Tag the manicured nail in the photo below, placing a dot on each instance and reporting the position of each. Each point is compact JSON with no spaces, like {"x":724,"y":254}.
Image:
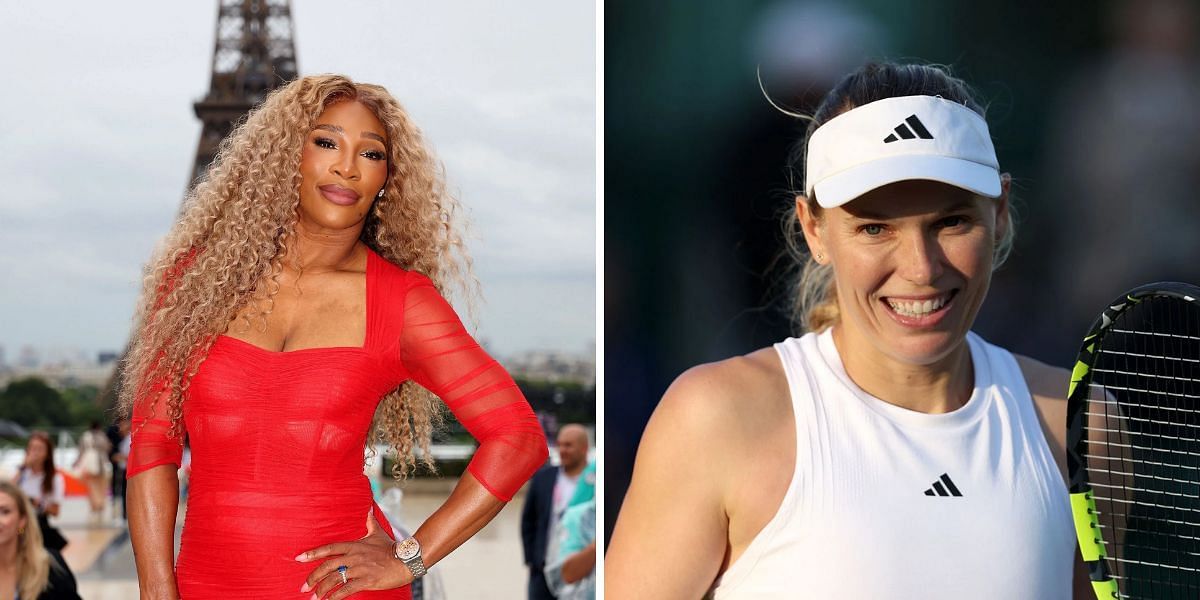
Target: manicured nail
{"x":300,"y":557}
{"x":305,"y":588}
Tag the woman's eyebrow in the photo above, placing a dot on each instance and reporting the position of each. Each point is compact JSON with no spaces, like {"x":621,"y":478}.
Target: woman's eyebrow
{"x":866,"y":215}
{"x":339,"y":130}
{"x":857,"y":215}
{"x":964,"y":204}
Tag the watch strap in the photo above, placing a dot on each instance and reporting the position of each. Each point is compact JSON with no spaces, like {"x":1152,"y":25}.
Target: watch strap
{"x":414,"y":564}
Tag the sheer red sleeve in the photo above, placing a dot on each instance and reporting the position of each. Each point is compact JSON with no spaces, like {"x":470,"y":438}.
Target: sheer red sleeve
{"x":150,"y":442}
{"x":442,"y":357}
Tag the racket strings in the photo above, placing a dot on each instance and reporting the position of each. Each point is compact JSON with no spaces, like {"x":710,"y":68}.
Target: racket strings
{"x":1151,"y":356}
{"x":1115,"y":415}
{"x":1144,"y":450}
{"x":1126,"y":530}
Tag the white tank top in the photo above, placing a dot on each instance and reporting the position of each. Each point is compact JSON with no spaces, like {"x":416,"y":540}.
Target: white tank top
{"x":890,"y":503}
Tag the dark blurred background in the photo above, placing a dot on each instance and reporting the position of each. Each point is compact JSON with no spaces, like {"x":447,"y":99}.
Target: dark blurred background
{"x":1091,"y":106}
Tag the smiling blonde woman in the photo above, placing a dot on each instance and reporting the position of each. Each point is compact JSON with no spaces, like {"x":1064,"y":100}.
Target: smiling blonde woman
{"x":27,"y":570}
{"x":889,"y":452}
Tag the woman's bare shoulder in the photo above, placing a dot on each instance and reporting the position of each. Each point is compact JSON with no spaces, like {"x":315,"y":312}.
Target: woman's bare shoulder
{"x":732,"y":399}
{"x":758,"y":369}
{"x":681,"y":503}
{"x":1048,"y":386}
{"x":1047,"y":383}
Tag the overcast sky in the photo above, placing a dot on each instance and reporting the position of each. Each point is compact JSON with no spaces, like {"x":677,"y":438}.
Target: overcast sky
{"x":98,"y":138}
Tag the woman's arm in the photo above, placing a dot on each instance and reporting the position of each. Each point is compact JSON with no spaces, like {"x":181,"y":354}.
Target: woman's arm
{"x":59,"y":491}
{"x":153,"y":502}
{"x":670,"y":536}
{"x":469,"y":507}
{"x":443,"y":358}
{"x":152,"y":497}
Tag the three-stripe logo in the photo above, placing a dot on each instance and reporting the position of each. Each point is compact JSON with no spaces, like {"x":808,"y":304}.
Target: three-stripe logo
{"x":902,"y":130}
{"x":943,"y":487}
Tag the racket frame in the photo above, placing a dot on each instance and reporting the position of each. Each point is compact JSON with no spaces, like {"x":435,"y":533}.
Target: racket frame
{"x":1083,"y":503}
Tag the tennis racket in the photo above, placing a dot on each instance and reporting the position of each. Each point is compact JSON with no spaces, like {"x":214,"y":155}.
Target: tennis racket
{"x":1133,"y":445}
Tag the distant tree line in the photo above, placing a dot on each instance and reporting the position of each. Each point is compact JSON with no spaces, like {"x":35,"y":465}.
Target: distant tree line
{"x":568,"y":401}
{"x":32,"y":403}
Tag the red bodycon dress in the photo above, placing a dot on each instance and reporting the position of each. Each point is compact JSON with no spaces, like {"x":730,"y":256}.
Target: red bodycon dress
{"x":277,"y":438}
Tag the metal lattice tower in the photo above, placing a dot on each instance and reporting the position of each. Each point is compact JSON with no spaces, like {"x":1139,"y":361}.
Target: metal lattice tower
{"x":254,"y":53}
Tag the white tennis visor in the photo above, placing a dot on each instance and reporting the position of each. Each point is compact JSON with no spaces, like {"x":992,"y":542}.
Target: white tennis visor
{"x":898,"y":139}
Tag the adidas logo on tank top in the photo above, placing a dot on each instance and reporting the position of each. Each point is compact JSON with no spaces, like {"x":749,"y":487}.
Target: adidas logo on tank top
{"x":943,"y":487}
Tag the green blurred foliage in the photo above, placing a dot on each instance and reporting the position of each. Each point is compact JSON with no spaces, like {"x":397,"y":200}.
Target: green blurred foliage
{"x":32,"y":403}
{"x":82,"y":402}
{"x":569,"y":401}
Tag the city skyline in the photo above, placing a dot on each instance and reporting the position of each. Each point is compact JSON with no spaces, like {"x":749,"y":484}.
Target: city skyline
{"x":98,"y":159}
{"x":33,"y":356}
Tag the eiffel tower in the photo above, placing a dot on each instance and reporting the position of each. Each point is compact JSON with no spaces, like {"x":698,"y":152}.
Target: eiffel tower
{"x":254,"y":53}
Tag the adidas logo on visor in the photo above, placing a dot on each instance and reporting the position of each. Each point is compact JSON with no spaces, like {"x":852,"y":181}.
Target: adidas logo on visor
{"x":943,"y":487}
{"x":918,"y":131}
{"x":845,"y":159}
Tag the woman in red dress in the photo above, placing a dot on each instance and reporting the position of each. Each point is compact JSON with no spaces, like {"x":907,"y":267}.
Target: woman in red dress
{"x":293,"y":313}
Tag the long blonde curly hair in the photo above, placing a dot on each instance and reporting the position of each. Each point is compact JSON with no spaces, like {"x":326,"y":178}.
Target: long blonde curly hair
{"x":33,"y":563}
{"x":236,"y":225}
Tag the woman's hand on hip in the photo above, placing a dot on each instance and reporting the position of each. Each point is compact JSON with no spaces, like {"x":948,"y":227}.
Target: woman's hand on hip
{"x":369,"y":565}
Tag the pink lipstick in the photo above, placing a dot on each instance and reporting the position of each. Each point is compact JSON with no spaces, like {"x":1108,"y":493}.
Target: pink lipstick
{"x":338,"y":194}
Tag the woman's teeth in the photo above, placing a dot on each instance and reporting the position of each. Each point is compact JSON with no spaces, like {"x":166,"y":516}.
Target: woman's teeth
{"x":917,"y":308}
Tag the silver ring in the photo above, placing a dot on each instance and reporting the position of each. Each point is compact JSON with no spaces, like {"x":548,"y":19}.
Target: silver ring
{"x":342,"y":572}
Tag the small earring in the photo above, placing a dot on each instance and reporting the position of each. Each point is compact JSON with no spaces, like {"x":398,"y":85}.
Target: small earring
{"x":380,"y":194}
{"x":819,"y":257}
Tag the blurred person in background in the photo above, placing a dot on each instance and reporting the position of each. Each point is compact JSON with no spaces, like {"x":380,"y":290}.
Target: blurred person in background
{"x":44,"y":486}
{"x":298,"y":295}
{"x":119,"y":457}
{"x":27,"y":570}
{"x":116,"y":431}
{"x":92,"y":464}
{"x":550,"y":490}
{"x":766,"y":473}
{"x":571,"y":574}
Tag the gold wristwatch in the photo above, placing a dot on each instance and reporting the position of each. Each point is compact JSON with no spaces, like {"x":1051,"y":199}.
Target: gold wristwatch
{"x":409,"y":553}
